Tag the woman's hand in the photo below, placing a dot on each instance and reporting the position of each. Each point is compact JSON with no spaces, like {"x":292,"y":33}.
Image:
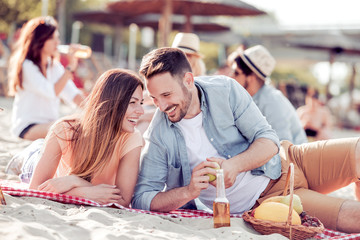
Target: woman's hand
{"x":63,"y":184}
{"x":199,"y":179}
{"x":103,"y":194}
{"x":73,"y":61}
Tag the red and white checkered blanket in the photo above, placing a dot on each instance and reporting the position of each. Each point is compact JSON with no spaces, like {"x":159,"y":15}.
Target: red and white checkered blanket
{"x":21,"y":189}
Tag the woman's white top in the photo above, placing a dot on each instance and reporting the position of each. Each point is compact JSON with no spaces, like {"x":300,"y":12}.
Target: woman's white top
{"x":37,"y":101}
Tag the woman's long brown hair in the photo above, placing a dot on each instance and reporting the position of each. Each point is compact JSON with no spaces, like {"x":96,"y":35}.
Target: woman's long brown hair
{"x":32,"y":38}
{"x":99,"y":128}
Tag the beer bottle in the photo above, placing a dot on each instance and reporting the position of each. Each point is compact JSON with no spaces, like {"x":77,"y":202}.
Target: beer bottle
{"x":81,"y":51}
{"x":221,"y":206}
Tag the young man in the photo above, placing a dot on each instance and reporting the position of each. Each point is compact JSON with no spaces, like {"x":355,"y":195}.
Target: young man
{"x":213,"y":119}
{"x":252,"y":68}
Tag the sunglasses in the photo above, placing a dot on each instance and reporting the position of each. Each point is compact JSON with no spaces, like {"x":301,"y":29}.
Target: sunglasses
{"x":237,"y":73}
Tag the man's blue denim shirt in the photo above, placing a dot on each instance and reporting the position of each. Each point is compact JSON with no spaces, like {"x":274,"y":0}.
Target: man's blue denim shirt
{"x":231,"y":121}
{"x":280,"y":114}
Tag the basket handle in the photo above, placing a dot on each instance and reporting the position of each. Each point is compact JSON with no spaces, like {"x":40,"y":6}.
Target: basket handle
{"x":2,"y":198}
{"x":290,"y":180}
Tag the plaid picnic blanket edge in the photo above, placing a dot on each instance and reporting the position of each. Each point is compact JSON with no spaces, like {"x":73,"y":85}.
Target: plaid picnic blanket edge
{"x":15,"y":188}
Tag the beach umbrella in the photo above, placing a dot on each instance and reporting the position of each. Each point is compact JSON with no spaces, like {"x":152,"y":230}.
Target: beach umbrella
{"x":335,"y":44}
{"x":148,"y":20}
{"x":119,"y":20}
{"x":187,"y":8}
{"x":332,"y":43}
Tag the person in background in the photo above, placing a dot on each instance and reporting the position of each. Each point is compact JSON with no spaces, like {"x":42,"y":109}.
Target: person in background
{"x":38,"y":81}
{"x":252,"y":69}
{"x":315,"y":118}
{"x":95,"y":154}
{"x":190,"y":44}
{"x":4,"y":57}
{"x":4,"y":54}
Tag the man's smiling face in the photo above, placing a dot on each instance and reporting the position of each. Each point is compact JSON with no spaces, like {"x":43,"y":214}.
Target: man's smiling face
{"x":170,"y":95}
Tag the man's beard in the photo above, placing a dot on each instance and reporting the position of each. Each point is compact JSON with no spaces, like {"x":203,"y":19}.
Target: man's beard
{"x":185,"y":108}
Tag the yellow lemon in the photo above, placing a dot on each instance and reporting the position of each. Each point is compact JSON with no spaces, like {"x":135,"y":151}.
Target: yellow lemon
{"x":277,"y":212}
{"x":298,"y":207}
{"x":212,"y":177}
{"x":274,"y":199}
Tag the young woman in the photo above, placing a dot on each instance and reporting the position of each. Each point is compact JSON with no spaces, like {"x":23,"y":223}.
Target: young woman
{"x":95,"y":155}
{"x":38,"y":81}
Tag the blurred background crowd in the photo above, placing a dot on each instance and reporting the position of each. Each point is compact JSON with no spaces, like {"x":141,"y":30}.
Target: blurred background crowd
{"x":317,"y":57}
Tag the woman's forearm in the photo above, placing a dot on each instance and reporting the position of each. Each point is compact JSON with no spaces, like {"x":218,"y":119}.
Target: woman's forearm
{"x":102,"y":194}
{"x":59,"y":85}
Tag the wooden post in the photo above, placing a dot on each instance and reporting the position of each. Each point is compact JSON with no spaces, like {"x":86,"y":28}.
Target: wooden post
{"x":188,"y":24}
{"x":61,"y":14}
{"x":352,"y":86}
{"x":165,"y":24}
{"x":119,"y":27}
{"x":133,"y":30}
{"x":331,"y":61}
{"x":44,"y":7}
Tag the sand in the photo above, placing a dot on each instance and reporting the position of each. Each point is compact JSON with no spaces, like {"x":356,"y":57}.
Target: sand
{"x":37,"y":218}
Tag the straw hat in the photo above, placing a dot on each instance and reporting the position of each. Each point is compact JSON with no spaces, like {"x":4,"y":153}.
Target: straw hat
{"x":259,"y":60}
{"x":188,"y":42}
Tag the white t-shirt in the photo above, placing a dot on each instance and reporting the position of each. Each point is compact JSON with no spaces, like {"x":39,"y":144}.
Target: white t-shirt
{"x":37,"y":102}
{"x":247,"y":187}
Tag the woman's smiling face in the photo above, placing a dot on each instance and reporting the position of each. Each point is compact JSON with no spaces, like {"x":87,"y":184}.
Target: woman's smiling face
{"x":134,"y":111}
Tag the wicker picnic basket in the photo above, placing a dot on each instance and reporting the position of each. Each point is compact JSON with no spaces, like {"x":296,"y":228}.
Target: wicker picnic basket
{"x":296,"y":232}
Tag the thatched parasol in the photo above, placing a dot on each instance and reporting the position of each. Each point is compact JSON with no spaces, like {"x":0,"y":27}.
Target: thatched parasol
{"x":336,"y":45}
{"x":148,"y":20}
{"x":188,"y":8}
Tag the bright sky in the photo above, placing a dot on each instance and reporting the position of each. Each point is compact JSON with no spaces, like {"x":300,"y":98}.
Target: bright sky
{"x":312,"y":12}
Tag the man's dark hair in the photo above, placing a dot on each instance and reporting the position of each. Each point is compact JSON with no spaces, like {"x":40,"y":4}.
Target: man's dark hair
{"x":243,"y":66}
{"x":162,"y":60}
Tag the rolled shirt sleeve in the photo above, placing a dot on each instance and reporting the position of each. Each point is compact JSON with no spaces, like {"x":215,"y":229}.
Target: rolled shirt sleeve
{"x":253,"y":125}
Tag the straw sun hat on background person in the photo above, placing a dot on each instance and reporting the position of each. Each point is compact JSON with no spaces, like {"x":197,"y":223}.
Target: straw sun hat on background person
{"x":259,"y":60}
{"x":189,"y":43}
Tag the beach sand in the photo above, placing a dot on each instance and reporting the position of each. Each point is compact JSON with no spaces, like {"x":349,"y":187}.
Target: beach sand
{"x":37,"y":218}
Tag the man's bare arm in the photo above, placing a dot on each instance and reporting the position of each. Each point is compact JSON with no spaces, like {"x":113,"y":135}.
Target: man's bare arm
{"x":177,"y":197}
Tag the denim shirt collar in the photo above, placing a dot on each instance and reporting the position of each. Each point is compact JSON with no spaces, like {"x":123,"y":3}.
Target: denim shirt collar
{"x":202,"y":98}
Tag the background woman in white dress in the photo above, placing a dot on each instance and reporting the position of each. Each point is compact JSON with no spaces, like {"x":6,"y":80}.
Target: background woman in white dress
{"x":38,"y":81}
